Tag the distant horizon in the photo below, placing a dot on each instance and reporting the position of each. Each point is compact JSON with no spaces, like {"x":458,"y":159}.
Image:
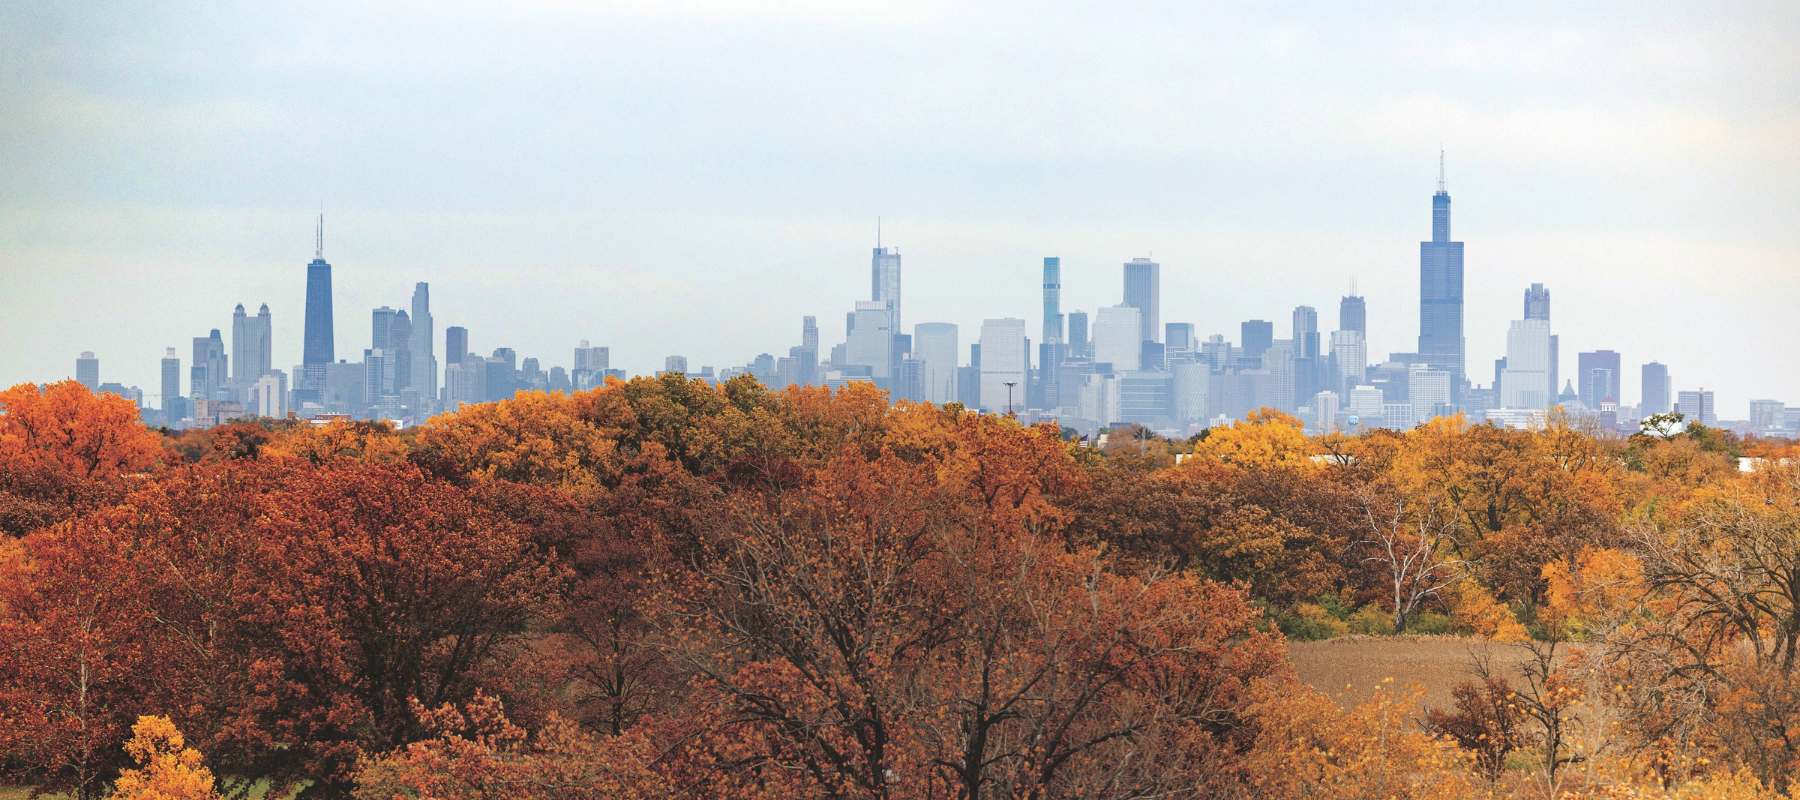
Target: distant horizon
{"x":692,"y":179}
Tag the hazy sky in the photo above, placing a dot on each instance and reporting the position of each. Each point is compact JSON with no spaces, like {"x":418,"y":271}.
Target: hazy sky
{"x":693,"y":176}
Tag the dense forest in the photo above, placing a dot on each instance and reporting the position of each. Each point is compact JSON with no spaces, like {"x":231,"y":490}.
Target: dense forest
{"x":669,"y":589}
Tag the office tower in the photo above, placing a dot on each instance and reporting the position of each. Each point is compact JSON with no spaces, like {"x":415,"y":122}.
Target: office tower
{"x":1368,"y":405}
{"x":1118,"y":338}
{"x":1585,"y":364}
{"x":1441,"y":293}
{"x":592,"y":359}
{"x":1180,"y":343}
{"x":1325,"y":410}
{"x":424,"y":362}
{"x":87,"y":371}
{"x":1078,"y":334}
{"x":1697,"y":406}
{"x":968,"y":379}
{"x":208,"y":374}
{"x":1190,"y":387}
{"x":1526,"y":380}
{"x":870,"y":343}
{"x":1428,"y":391}
{"x":935,"y":344}
{"x":456,"y":343}
{"x":1003,"y":362}
{"x":1255,"y":336}
{"x":1350,"y":358}
{"x":1597,"y":383}
{"x":1768,"y":416}
{"x":1306,"y":332}
{"x":1278,"y":362}
{"x":884,"y":282}
{"x":1143,"y":291}
{"x":171,"y":384}
{"x":675,"y":364}
{"x":319,"y":342}
{"x":268,"y":394}
{"x":1556,"y":360}
{"x":251,"y":346}
{"x":1655,"y":393}
{"x":1537,"y":302}
{"x":1353,"y":314}
{"x":381,"y":329}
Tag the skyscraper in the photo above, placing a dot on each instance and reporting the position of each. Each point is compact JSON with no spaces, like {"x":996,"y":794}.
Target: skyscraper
{"x":456,"y":344}
{"x":251,"y":346}
{"x":1697,"y":406}
{"x":870,"y":343}
{"x":1003,"y":362}
{"x":1585,"y":364}
{"x":87,"y":371}
{"x":1078,"y":334}
{"x":1255,"y":336}
{"x":319,"y":342}
{"x":171,"y":386}
{"x":934,"y":344}
{"x":1441,"y":292}
{"x":1526,"y":381}
{"x":1118,"y":337}
{"x":1053,"y":318}
{"x":424,"y":362}
{"x":1655,"y":391}
{"x":1537,"y":302}
{"x":884,"y":281}
{"x":208,"y":374}
{"x":1143,"y":291}
{"x":1353,"y":314}
{"x":1306,"y":332}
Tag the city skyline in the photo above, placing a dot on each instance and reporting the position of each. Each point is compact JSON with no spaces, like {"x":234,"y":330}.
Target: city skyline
{"x":1655,"y":195}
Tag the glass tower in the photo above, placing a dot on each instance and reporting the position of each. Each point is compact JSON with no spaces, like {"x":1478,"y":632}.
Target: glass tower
{"x":1441,"y":292}
{"x":318,"y":346}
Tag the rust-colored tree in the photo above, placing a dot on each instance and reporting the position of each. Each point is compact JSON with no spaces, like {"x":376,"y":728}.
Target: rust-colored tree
{"x":63,"y":449}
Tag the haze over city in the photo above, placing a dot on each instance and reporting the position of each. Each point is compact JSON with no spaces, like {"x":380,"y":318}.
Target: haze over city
{"x":693,"y":178}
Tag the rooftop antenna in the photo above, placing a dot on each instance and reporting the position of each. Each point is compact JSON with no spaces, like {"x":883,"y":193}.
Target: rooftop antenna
{"x":1441,"y":185}
{"x":1353,"y":286}
{"x":319,"y":246}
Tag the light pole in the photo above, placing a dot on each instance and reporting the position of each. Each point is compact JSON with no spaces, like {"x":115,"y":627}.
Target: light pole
{"x":1009,"y":387}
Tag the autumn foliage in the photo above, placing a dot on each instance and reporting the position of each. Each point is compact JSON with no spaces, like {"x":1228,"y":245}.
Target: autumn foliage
{"x":667,"y":588}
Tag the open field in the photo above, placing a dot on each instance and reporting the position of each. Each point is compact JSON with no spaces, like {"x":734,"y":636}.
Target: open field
{"x":1361,"y":662}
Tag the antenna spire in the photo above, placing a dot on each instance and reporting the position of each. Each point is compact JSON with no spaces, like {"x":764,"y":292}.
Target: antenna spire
{"x":319,"y":246}
{"x":1442,"y":187}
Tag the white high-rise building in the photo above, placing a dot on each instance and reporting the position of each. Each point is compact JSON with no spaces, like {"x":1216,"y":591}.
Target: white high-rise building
{"x":1525,"y":383}
{"x":1368,"y":404}
{"x":1428,"y":390}
{"x":251,"y":348}
{"x":1002,"y":362}
{"x":871,"y":340}
{"x":1191,"y":379}
{"x":268,"y":395}
{"x":935,"y":344}
{"x":1325,"y":410}
{"x":1118,"y":338}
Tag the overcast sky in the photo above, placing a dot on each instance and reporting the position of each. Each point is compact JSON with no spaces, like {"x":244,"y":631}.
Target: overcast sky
{"x":693,"y":176}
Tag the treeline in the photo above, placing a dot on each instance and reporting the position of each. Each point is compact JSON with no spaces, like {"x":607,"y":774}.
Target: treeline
{"x":664,"y":588}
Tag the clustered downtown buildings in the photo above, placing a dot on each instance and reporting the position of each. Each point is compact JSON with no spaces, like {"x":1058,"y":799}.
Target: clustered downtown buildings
{"x":1120,"y":365}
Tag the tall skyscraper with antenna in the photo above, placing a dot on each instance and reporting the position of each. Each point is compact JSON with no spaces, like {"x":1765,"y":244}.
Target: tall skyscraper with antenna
{"x":884,"y":279}
{"x":318,"y":341}
{"x":1441,"y":292}
{"x":1353,"y":313}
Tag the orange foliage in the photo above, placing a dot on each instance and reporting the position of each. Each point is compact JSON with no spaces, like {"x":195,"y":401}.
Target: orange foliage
{"x":167,"y":769}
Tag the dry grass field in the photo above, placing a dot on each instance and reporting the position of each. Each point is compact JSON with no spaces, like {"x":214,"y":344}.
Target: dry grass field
{"x":1361,"y":662}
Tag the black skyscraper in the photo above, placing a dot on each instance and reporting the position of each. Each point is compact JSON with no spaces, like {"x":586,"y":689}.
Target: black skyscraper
{"x":319,"y":348}
{"x":1441,"y":293}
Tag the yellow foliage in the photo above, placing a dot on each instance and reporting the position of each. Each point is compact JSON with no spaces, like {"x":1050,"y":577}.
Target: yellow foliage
{"x":1266,"y":438}
{"x":166,"y":769}
{"x":1309,"y":747}
{"x":373,"y":442}
{"x":1475,"y":609}
{"x":1602,"y":579}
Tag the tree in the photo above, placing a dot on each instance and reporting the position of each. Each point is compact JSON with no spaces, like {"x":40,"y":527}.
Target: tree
{"x":63,"y":449}
{"x":1487,"y":722}
{"x":1307,"y":746}
{"x":479,"y":753}
{"x":912,"y":626}
{"x":1408,"y":538}
{"x":167,"y":768}
{"x":1267,"y":437}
